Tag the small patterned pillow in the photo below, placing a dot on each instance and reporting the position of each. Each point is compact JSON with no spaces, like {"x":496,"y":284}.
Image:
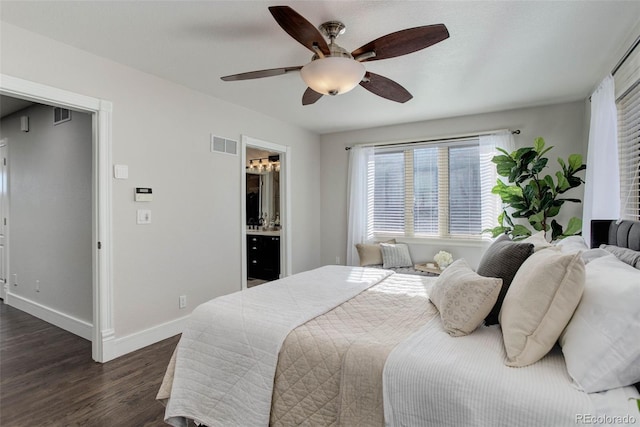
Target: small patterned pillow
{"x":464,"y":298}
{"x":395,"y":255}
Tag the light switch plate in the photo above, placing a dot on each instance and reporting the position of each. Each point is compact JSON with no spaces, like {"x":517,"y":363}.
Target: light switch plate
{"x":121,"y":171}
{"x":144,"y":216}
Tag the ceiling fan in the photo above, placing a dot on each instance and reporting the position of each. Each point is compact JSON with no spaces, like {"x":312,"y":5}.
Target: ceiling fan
{"x":333,"y":70}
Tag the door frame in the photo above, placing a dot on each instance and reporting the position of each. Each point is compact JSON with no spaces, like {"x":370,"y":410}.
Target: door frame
{"x":4,"y":216}
{"x":285,"y":203}
{"x":101,"y":110}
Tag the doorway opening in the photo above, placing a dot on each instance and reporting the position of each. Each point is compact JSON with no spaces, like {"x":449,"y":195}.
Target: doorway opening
{"x":265,"y":212}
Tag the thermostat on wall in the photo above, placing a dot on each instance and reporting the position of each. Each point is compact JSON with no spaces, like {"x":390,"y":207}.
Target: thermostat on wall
{"x":144,"y":194}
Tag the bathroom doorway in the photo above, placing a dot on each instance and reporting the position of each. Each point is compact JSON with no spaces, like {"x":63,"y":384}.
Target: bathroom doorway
{"x":265,"y":208}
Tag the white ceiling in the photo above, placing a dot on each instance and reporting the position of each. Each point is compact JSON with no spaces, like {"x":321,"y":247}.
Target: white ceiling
{"x":500,"y":55}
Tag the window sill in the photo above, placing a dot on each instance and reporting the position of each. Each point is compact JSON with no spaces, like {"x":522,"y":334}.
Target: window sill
{"x":480,"y":242}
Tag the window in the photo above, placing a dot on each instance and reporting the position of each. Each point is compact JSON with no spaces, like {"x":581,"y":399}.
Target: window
{"x":629,"y":152}
{"x":427,"y":190}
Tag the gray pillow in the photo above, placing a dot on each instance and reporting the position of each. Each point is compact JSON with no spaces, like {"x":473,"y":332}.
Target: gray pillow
{"x":628,"y":256}
{"x":395,"y":255}
{"x":503,"y":259}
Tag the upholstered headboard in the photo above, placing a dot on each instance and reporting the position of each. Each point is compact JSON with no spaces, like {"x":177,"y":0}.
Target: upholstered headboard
{"x":625,"y":234}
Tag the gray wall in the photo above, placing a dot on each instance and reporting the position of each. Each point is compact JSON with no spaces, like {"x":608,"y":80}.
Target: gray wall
{"x":161,"y":130}
{"x":561,"y":125}
{"x":50,"y":209}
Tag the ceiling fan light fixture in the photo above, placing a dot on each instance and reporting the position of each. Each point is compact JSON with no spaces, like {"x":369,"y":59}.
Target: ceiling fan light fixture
{"x":333,"y":75}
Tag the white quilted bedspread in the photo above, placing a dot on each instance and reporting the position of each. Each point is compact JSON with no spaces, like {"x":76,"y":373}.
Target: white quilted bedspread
{"x":226,"y":360}
{"x":466,"y":383}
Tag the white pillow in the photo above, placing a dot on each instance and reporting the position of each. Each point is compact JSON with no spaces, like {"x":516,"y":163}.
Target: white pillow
{"x":539,"y":304}
{"x":591,"y":254}
{"x":538,"y":240}
{"x":601,"y":343}
{"x":572,"y":244}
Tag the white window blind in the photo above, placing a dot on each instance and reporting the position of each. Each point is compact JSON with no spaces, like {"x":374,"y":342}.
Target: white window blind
{"x":427,"y":189}
{"x":389,"y":195}
{"x":629,"y":152}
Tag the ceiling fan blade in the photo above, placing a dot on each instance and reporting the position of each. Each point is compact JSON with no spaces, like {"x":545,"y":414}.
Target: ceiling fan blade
{"x":385,"y":88}
{"x":260,"y":74}
{"x":403,"y":42}
{"x":299,"y":28}
{"x":310,"y":96}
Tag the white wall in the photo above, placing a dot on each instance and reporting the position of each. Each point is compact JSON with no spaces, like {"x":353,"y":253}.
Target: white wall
{"x":50,"y":210}
{"x":161,"y":131}
{"x":561,"y":126}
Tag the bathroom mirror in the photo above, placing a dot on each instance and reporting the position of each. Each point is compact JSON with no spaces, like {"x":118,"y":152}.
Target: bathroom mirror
{"x":263,"y":196}
{"x":263,"y":185}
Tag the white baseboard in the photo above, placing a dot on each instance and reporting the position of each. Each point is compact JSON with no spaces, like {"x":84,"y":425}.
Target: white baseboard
{"x":112,"y":347}
{"x":116,"y":347}
{"x":62,"y":320}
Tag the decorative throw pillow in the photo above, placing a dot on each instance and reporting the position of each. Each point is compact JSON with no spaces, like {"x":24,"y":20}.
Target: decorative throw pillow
{"x":370,"y":254}
{"x":395,"y":255}
{"x":628,"y":256}
{"x":600,"y":343}
{"x":538,"y":240}
{"x":572,"y":244}
{"x":540,"y":302}
{"x":502,"y":259}
{"x":463,"y":297}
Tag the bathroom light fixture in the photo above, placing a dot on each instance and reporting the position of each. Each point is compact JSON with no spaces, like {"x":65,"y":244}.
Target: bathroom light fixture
{"x":266,"y":164}
{"x":333,"y":75}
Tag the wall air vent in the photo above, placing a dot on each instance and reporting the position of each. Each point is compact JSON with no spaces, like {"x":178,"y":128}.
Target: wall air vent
{"x":224,"y":145}
{"x":61,"y":115}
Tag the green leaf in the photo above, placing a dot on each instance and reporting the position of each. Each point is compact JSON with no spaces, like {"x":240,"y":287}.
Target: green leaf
{"x":553,"y":211}
{"x":563,"y":184}
{"x":520,"y":230}
{"x":573,"y":227}
{"x":504,"y":168}
{"x":539,"y":165}
{"x":502,"y":159}
{"x":502,"y":150}
{"x":564,"y":166}
{"x":575,"y":161}
{"x":496,"y":231}
{"x":539,"y":217}
{"x":549,"y":181}
{"x":538,"y":144}
{"x":556,"y":230}
{"x":517,"y":155}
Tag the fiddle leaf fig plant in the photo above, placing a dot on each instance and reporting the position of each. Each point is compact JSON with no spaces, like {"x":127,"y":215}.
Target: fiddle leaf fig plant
{"x":532,"y":195}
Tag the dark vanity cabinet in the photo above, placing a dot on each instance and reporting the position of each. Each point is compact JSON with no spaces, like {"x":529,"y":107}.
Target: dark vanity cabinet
{"x":263,"y":257}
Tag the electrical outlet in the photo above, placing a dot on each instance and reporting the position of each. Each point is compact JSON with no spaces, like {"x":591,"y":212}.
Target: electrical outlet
{"x":337,"y":260}
{"x":182,"y":301}
{"x":37,"y":285}
{"x":15,"y":279}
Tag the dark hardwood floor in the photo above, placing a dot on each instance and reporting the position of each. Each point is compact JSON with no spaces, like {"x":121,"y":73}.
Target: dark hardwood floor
{"x":47,"y":378}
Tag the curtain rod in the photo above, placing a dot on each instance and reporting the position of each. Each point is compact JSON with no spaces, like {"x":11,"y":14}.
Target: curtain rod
{"x":625,"y":56}
{"x":450,"y":138}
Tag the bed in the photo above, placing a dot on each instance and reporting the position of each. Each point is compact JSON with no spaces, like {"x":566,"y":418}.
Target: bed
{"x":360,"y":346}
